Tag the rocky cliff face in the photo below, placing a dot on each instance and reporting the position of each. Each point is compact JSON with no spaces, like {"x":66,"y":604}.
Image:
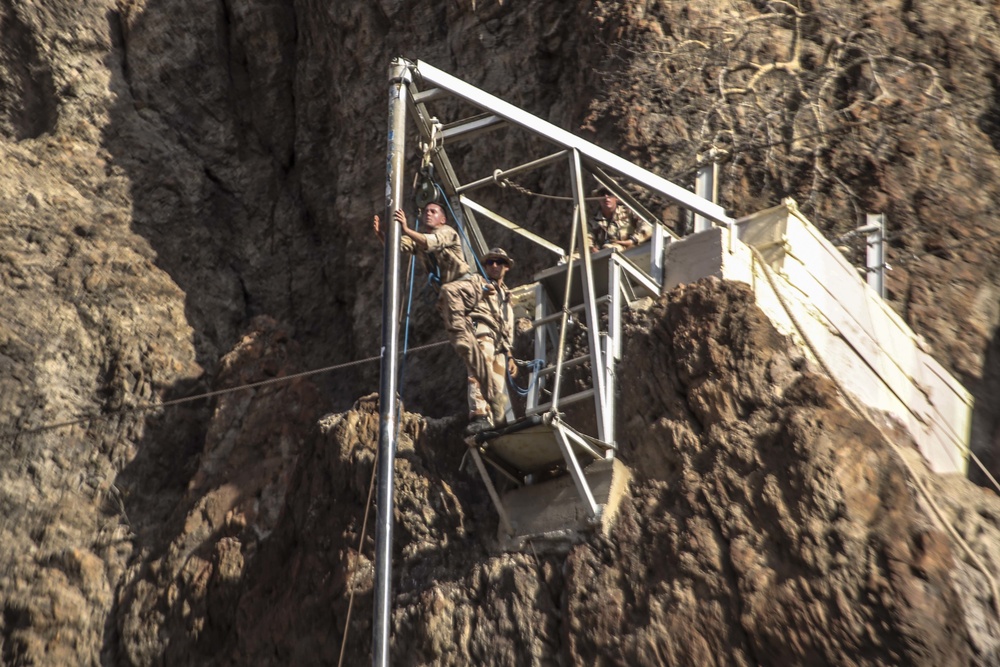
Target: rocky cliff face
{"x":186,"y":189}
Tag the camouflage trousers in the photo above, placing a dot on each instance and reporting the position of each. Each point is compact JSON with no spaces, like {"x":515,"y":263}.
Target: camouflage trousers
{"x":455,"y":302}
{"x":479,"y":406}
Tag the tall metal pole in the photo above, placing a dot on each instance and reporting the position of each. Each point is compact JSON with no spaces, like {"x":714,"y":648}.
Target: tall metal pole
{"x":399,"y":78}
{"x":706,"y":185}
{"x":875,"y":251}
{"x":598,"y":370}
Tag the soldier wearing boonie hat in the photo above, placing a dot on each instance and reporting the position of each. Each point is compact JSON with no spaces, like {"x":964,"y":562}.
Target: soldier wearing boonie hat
{"x":498,"y":254}
{"x":484,"y":338}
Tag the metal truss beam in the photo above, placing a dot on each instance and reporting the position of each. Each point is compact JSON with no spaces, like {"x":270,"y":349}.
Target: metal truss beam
{"x":430,"y":75}
{"x":512,"y":226}
{"x":513,"y":171}
{"x":470,"y":128}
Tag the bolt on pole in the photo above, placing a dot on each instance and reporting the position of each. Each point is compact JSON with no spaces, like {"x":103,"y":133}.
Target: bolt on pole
{"x":399,"y":79}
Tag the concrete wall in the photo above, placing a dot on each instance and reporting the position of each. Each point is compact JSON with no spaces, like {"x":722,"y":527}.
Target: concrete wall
{"x":819,"y":299}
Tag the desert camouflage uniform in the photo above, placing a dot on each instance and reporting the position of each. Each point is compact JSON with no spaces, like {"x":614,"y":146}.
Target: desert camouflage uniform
{"x":448,"y":271}
{"x":443,"y":257}
{"x":480,"y":326}
{"x":621,"y":227}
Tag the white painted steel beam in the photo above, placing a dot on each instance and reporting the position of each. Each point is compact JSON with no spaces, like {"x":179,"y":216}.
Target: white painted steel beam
{"x":656,"y":247}
{"x":428,"y":74}
{"x":494,"y":496}
{"x":573,"y":465}
{"x":513,"y":171}
{"x":571,"y":363}
{"x":429,"y":95}
{"x":706,"y":185}
{"x":449,"y":180}
{"x":470,"y":128}
{"x":536,"y":382}
{"x":875,"y":252}
{"x":552,"y":317}
{"x":612,"y":353}
{"x":635,"y":274}
{"x":598,"y":368}
{"x":562,"y":402}
{"x":512,"y":226}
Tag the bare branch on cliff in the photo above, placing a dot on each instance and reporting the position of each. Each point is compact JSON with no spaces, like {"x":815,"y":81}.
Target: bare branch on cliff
{"x":776,"y":85}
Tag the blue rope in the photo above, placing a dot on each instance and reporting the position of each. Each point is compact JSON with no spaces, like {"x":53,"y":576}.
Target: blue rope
{"x":461,"y":229}
{"x":533,"y":367}
{"x":432,"y":278}
{"x":406,"y":320}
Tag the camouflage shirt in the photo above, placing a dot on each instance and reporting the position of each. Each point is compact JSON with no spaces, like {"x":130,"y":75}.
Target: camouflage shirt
{"x":621,"y":227}
{"x":443,"y":256}
{"x":493,"y":315}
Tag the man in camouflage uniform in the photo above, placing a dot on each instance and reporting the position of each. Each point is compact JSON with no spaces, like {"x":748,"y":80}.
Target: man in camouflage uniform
{"x":486,"y":341}
{"x":461,"y":294}
{"x":615,"y":226}
{"x":438,"y":247}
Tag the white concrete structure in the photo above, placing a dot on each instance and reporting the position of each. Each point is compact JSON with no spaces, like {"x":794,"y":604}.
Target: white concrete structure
{"x":813,"y":294}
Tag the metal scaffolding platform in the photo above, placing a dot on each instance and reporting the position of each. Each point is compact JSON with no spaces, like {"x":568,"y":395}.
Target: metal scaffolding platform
{"x":566,"y":428}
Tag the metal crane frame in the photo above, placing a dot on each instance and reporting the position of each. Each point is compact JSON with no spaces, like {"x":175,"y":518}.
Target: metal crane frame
{"x":412,"y":87}
{"x":429,"y":84}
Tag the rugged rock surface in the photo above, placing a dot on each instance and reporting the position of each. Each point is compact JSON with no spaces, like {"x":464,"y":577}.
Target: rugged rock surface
{"x":767,"y":524}
{"x":788,"y":529}
{"x":185,"y":189}
{"x":850,"y":108}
